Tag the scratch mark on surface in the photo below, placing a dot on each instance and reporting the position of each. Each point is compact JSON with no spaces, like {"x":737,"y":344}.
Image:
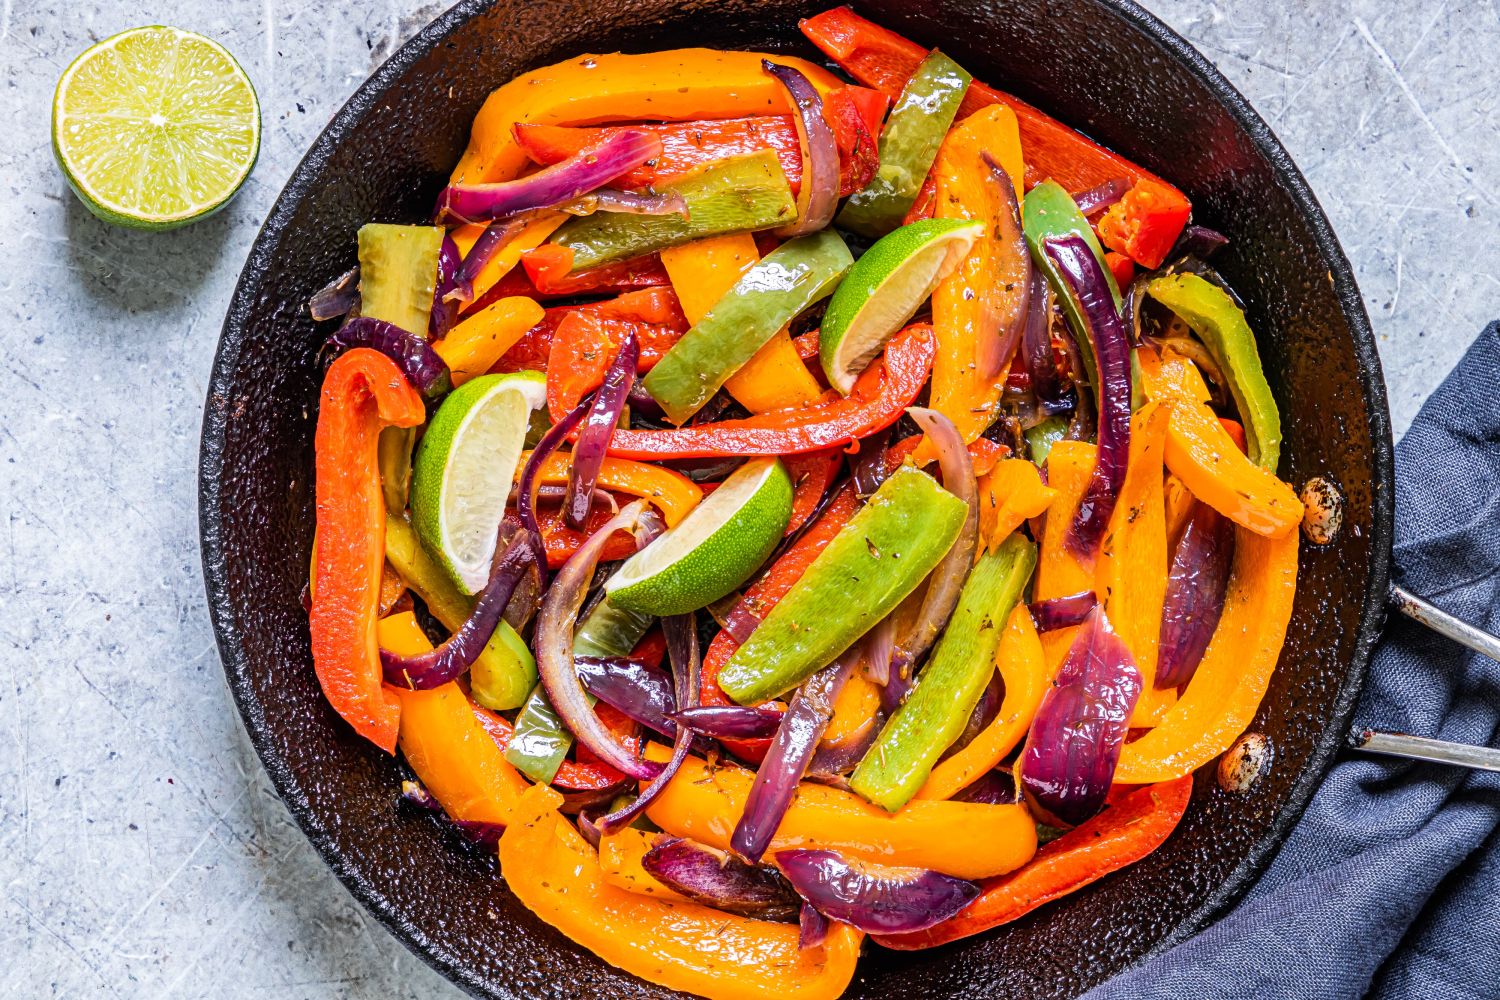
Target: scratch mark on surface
{"x":1411,"y":97}
{"x":5,"y":15}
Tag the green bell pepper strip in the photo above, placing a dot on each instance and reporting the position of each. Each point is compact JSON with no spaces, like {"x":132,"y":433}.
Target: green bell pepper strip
{"x":868,"y":568}
{"x":1043,"y":436}
{"x":772,"y":293}
{"x":1221,"y":325}
{"x":908,"y":144}
{"x":541,"y":741}
{"x":736,"y":195}
{"x":505,"y":670}
{"x":1048,"y":213}
{"x":949,"y":686}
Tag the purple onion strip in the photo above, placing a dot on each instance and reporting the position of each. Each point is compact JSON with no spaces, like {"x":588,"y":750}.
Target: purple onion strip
{"x":1036,"y":350}
{"x":730,"y":722}
{"x":1100,"y":197}
{"x":336,"y":298}
{"x":490,"y":242}
{"x":819,"y":194}
{"x":643,"y":693}
{"x":876,"y":899}
{"x":444,"y":311}
{"x":721,"y":881}
{"x":1062,"y":612}
{"x":526,"y":486}
{"x":592,"y":443}
{"x":426,"y":372}
{"x":812,"y":928}
{"x":1196,"y":582}
{"x":995,"y":350}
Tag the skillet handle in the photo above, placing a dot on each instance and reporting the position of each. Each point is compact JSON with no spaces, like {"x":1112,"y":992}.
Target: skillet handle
{"x":1419,"y":747}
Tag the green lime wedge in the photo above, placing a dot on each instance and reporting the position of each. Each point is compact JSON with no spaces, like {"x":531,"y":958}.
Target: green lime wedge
{"x":464,"y":469}
{"x":714,"y":549}
{"x":885,"y":288}
{"x":155,"y":127}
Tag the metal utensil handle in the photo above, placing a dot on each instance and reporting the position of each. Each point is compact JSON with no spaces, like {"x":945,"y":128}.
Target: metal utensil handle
{"x":1420,"y":747}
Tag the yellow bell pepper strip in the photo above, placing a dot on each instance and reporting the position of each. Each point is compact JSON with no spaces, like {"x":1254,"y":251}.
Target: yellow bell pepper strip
{"x":1024,"y":671}
{"x":363,"y":392}
{"x":854,"y":712}
{"x":770,"y":295}
{"x":1059,"y":573}
{"x":934,"y":712}
{"x":669,"y":491}
{"x":505,"y":670}
{"x":476,"y":342}
{"x":620,"y":855}
{"x":507,"y":257}
{"x":1011,"y":494}
{"x":1221,"y":325}
{"x":702,"y":272}
{"x":742,"y":194}
{"x":672,"y":85}
{"x":965,"y":839}
{"x":453,"y":756}
{"x":1225,"y":692}
{"x":682,"y":946}
{"x":981,"y":296}
{"x":908,"y":145}
{"x":1131,"y":571}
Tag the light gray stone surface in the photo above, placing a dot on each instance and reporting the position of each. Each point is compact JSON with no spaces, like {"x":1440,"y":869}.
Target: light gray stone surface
{"x":142,"y":851}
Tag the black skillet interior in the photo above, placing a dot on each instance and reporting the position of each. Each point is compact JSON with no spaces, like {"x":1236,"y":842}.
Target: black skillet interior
{"x":1106,"y":68}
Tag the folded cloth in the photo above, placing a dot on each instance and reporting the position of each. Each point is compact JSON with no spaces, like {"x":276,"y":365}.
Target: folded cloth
{"x":1389,"y":886}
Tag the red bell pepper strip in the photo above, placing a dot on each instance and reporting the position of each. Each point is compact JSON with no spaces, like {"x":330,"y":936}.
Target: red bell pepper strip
{"x":363,"y":392}
{"x":1145,"y":223}
{"x":879,"y":397}
{"x":587,"y":340}
{"x":562,"y":541}
{"x":552,"y":281}
{"x":1121,"y":267}
{"x":926,"y":201}
{"x":885,"y":60}
{"x":811,"y":473}
{"x":1130,"y":827}
{"x":853,"y":113}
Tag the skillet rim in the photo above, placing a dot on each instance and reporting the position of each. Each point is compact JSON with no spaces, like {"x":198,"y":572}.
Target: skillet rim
{"x":1153,"y":31}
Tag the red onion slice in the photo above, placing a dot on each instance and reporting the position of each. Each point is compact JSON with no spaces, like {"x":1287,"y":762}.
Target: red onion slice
{"x":427,"y":373}
{"x":444,"y":311}
{"x":879,"y":645}
{"x":720,"y":880}
{"x":1062,"y":612}
{"x":643,"y":693}
{"x":995,"y":350}
{"x":994,"y":788}
{"x":593,"y":437}
{"x":730,"y":722}
{"x":490,"y":242}
{"x":876,"y":899}
{"x":628,"y":203}
{"x":870,"y":466}
{"x":526,"y":487}
{"x":1047,"y":383}
{"x":1196,"y":583}
{"x":1074,"y":745}
{"x":1197,"y":241}
{"x":336,"y":298}
{"x":1097,"y":199}
{"x":812,"y":928}
{"x":1079,"y":267}
{"x":819,"y":194}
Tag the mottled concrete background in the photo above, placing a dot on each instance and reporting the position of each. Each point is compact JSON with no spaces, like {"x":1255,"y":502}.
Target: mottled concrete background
{"x":142,"y":851}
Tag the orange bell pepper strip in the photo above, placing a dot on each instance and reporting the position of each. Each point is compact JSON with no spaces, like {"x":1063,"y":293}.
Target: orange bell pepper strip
{"x":702,"y":272}
{"x":1179,"y":504}
{"x":481,"y":338}
{"x":363,"y":392}
{"x":1011,"y":494}
{"x":453,"y":756}
{"x":1131,"y":571}
{"x":507,"y":256}
{"x":680,"y":945}
{"x":1024,"y":671}
{"x":884,"y":60}
{"x":854,"y":712}
{"x":971,"y":303}
{"x":1059,"y":573}
{"x":879,"y":397}
{"x":671,"y":85}
{"x":964,"y":839}
{"x":1145,"y":223}
{"x":621,"y":857}
{"x":669,"y":491}
{"x":1128,"y":829}
{"x":1225,"y":692}
{"x":587,"y":340}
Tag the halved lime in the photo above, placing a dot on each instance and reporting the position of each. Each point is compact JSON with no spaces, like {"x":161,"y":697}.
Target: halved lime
{"x":464,"y":468}
{"x":884,"y":289}
{"x":155,"y":127}
{"x":713,"y":549}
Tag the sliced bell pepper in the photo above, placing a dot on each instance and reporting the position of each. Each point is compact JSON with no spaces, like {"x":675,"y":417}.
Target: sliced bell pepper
{"x":1011,"y":494}
{"x":1059,"y":572}
{"x":965,"y":839}
{"x":770,"y":294}
{"x":1221,"y":325}
{"x":1128,"y":829}
{"x":884,"y":60}
{"x":549,"y":269}
{"x":738,"y":195}
{"x":1050,"y":212}
{"x":1043,"y":436}
{"x":1179,"y":505}
{"x":620,"y":863}
{"x":570,"y":774}
{"x":363,"y":392}
{"x":924,"y":205}
{"x":1131,"y":571}
{"x":669,"y":491}
{"x":923,"y":111}
{"x":702,"y":273}
{"x":1145,"y":223}
{"x":481,"y":338}
{"x":879,"y":397}
{"x":854,"y":712}
{"x":453,"y":756}
{"x":970,"y":304}
{"x":585,"y":342}
{"x":811,"y":474}
{"x":508,"y":256}
{"x":1023,"y":669}
{"x":1225,"y":692}
{"x":680,"y":945}
{"x":671,"y":85}
{"x":949,"y":685}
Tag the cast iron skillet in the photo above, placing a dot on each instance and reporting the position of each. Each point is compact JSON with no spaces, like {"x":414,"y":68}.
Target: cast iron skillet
{"x":1104,"y":66}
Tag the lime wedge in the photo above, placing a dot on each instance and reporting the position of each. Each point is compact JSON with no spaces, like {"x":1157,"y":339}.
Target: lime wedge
{"x":155,"y":127}
{"x":713,"y":549}
{"x":464,"y":469}
{"x":885,"y":288}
